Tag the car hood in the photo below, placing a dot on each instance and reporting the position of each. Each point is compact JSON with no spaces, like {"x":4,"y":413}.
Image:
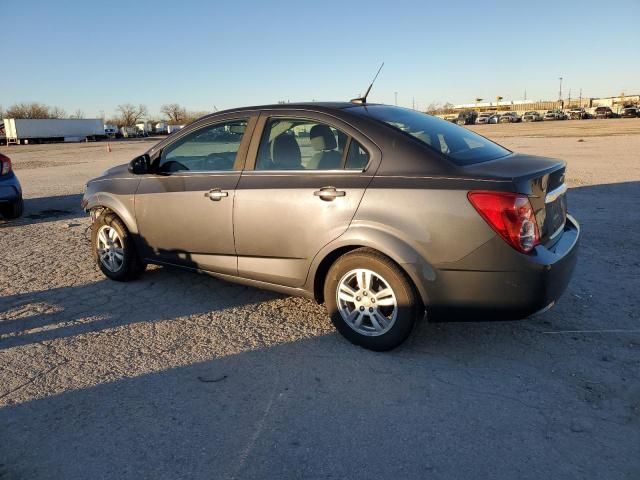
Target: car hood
{"x":117,"y":171}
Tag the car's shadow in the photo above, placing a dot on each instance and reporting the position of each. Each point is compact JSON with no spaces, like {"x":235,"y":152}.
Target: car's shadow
{"x":160,"y":294}
{"x":46,"y":209}
{"x":458,"y":400}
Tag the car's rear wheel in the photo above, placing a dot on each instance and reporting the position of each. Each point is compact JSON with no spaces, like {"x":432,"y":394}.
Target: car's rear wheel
{"x":371,"y":301}
{"x":114,"y":250}
{"x":12,"y":210}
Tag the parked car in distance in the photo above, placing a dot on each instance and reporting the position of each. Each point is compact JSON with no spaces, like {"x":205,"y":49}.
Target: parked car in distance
{"x":604,"y":112}
{"x":532,"y":116}
{"x":379,"y":212}
{"x":495,"y":118}
{"x":467,"y":117}
{"x":110,"y":131}
{"x":510,"y":117}
{"x":630,"y":112}
{"x":11,"y":203}
{"x":578,"y":114}
{"x":554,"y":115}
{"x":483,"y":118}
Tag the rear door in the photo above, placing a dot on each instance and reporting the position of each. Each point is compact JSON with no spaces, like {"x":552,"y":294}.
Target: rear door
{"x":306,"y":174}
{"x":184,"y":209}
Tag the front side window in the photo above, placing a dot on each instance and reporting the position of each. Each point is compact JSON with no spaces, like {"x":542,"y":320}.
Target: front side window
{"x":299,"y":144}
{"x":459,"y":144}
{"x":211,"y":148}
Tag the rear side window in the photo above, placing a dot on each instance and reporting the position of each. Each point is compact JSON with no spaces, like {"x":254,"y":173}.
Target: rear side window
{"x":298,"y":144}
{"x":357,"y":157}
{"x":460,"y":145}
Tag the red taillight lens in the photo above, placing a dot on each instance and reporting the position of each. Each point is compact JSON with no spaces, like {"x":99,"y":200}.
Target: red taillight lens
{"x":509,"y":214}
{"x":5,"y":164}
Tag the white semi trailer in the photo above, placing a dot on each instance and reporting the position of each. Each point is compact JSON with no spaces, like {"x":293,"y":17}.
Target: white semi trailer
{"x":174,"y":128}
{"x":51,"y":130}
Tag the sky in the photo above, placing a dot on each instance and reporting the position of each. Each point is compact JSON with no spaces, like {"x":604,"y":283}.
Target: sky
{"x":208,"y":55}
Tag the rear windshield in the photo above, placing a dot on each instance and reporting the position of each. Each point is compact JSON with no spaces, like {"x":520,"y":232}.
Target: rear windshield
{"x":459,"y":144}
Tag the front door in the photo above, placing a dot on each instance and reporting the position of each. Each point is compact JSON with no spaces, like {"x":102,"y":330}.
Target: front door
{"x":184,"y":210}
{"x":308,"y":179}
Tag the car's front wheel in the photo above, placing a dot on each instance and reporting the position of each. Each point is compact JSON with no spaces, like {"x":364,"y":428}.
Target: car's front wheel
{"x":114,"y":250}
{"x":371,"y":301}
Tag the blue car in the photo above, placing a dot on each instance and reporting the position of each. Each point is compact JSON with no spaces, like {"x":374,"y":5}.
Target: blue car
{"x":11,"y":204}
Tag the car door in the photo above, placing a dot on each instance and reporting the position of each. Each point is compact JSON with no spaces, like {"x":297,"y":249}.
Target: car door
{"x":184,"y":210}
{"x":306,"y":174}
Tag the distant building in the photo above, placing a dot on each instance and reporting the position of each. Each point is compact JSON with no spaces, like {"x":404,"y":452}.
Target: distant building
{"x":616,"y":104}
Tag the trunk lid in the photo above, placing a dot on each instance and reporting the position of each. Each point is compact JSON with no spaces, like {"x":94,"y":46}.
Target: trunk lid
{"x":542,"y":179}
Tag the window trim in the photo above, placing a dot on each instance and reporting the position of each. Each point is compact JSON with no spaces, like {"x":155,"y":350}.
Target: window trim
{"x":260,"y":130}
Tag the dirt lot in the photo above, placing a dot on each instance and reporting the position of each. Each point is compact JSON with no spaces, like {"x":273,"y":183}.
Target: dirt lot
{"x":180,"y":375}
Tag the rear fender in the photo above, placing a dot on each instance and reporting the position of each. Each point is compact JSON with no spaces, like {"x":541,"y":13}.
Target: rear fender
{"x":419,"y":270}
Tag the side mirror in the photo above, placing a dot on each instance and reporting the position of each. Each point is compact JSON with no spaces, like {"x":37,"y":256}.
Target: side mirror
{"x":140,"y":165}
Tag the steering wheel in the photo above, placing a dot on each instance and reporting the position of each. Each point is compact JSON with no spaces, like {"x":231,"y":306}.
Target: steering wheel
{"x":214,"y":161}
{"x":173,"y":166}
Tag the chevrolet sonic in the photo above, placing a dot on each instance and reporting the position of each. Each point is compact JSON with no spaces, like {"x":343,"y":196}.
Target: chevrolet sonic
{"x":382,"y":213}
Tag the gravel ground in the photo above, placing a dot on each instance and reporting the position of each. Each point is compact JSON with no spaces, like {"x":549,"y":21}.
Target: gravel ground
{"x":180,"y":375}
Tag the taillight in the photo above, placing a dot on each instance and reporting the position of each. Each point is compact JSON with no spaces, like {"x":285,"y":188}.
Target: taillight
{"x":6,"y":164}
{"x":509,"y":214}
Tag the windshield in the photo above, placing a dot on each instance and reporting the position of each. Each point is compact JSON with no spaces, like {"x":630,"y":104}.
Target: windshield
{"x":459,"y":144}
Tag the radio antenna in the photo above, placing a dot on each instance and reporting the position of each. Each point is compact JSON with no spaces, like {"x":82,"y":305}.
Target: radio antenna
{"x":363,"y":99}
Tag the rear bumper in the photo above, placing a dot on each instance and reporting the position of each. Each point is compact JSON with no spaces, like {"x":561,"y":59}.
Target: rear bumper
{"x":10,"y":189}
{"x":531,"y":283}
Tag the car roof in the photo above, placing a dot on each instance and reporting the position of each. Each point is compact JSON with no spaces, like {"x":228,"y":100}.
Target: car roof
{"x":319,"y":106}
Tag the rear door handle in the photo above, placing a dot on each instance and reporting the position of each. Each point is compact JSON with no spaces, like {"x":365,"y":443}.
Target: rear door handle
{"x":329,"y":193}
{"x":216,"y":194}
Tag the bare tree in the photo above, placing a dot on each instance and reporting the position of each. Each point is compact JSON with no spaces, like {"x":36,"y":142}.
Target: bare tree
{"x":34,"y":110}
{"x":193,"y":116}
{"x":28,"y":110}
{"x":130,"y":114}
{"x":1,"y":112}
{"x":77,"y":114}
{"x":57,"y":112}
{"x":174,"y":112}
{"x":433,"y":107}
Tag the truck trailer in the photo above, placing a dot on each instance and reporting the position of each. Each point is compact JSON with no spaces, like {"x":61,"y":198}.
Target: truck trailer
{"x":24,"y":131}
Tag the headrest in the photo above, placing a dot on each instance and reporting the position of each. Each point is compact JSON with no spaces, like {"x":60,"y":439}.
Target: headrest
{"x":286,"y":152}
{"x":322,"y":138}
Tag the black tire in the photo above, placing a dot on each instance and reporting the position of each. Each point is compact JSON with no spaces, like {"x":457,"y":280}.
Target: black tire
{"x":12,"y":210}
{"x":409,"y":306}
{"x":132,"y":265}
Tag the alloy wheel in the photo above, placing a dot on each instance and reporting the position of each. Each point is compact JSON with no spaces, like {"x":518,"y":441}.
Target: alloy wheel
{"x":110,"y":248}
{"x":366,"y":302}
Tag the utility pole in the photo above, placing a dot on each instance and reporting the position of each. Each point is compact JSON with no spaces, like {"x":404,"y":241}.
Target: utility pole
{"x":525,"y":94}
{"x":413,"y":103}
{"x":580,"y":97}
{"x":396,"y":94}
{"x":560,"y":94}
{"x":478,"y":100}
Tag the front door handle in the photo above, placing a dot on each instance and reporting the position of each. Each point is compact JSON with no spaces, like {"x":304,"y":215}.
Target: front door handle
{"x":329,"y":193}
{"x":215,"y":194}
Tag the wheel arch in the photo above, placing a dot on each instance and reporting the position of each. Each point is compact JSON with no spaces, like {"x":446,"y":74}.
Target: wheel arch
{"x":113,"y":204}
{"x":419,"y":271}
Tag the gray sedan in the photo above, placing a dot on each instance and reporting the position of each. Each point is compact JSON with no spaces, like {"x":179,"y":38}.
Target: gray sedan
{"x":381,"y":213}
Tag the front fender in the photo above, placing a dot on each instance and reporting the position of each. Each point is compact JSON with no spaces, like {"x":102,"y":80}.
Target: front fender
{"x":418,"y":269}
{"x":121,"y":205}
